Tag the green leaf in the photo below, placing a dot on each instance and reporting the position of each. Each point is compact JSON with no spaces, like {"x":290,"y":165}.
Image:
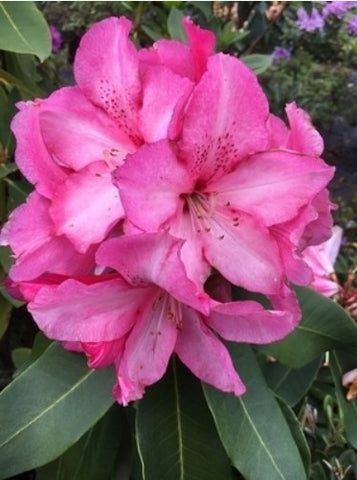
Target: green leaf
{"x":176,"y":436}
{"x":20,"y":356}
{"x":252,"y":427}
{"x":341,"y":363}
{"x":291,"y":384}
{"x":5,"y":309}
{"x":23,"y":29}
{"x":6,"y":169}
{"x":324,"y":326}
{"x":48,"y":407}
{"x":259,"y":63}
{"x":93,"y":456}
{"x":297,"y":433}
{"x":204,"y":7}
{"x":174,"y":24}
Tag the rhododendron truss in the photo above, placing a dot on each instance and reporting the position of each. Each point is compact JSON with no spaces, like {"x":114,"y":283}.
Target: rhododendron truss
{"x":159,"y":171}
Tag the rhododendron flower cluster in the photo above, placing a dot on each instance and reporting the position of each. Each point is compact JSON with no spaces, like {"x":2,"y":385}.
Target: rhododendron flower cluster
{"x":161,"y":180}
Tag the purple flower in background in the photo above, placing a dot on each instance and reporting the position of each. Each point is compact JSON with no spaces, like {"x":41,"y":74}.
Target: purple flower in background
{"x":281,"y":53}
{"x":309,"y":23}
{"x":56,"y":38}
{"x":338,"y":9}
{"x":352,"y":26}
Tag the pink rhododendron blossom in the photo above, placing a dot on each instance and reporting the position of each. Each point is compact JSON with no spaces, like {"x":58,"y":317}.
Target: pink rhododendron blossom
{"x":321,"y":259}
{"x":137,"y":319}
{"x":161,"y":179}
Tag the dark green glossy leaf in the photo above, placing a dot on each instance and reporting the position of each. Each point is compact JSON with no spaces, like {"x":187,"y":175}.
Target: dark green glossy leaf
{"x":48,"y":407}
{"x":341,"y":363}
{"x":259,"y":63}
{"x":23,"y":29}
{"x":324,"y":326}
{"x":291,"y":384}
{"x":252,"y":428}
{"x":94,"y":456}
{"x":6,"y":169}
{"x":176,"y":436}
{"x":297,"y":433}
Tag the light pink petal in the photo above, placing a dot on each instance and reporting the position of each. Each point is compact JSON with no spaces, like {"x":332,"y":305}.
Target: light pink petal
{"x":249,"y":322}
{"x":303,"y":136}
{"x":172,"y":54}
{"x":77,"y":133}
{"x":163,"y":91}
{"x":333,"y":244}
{"x":31,"y":155}
{"x":225,"y":119}
{"x":205,"y":355}
{"x":349,"y":377}
{"x":85,"y":208}
{"x":147,"y":350}
{"x":98,"y":312}
{"x":321,"y":259}
{"x":273,"y":186}
{"x":57,"y":256}
{"x":106,"y":70}
{"x":201,"y":44}
{"x":153,"y":258}
{"x":243,"y":251}
{"x":151,"y":183}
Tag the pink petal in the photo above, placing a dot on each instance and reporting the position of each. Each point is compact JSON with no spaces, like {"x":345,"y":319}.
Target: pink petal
{"x":164,"y":96}
{"x":197,"y":267}
{"x":103,"y":354}
{"x":263,"y":185}
{"x":83,"y":198}
{"x":303,"y":137}
{"x":147,"y":350}
{"x":278,"y":132}
{"x":31,"y":155}
{"x":77,"y":133}
{"x":98,"y":312}
{"x":287,"y":301}
{"x":225,"y":119}
{"x":56,"y":256}
{"x":201,"y":44}
{"x":126,"y":391}
{"x":151,"y":183}
{"x":319,"y":229}
{"x":295,"y":267}
{"x":153,"y":258}
{"x":106,"y":70}
{"x":205,"y":355}
{"x":29,"y":226}
{"x":249,"y":322}
{"x":31,"y":235}
{"x":349,"y":377}
{"x":243,"y":251}
{"x":172,"y":54}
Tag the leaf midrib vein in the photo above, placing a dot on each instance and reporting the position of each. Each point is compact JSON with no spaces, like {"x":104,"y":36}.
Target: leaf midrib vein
{"x":261,"y":440}
{"x":14,"y":25}
{"x":51,"y":406}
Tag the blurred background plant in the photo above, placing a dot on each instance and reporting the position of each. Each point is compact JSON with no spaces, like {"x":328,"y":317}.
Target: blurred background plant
{"x":303,"y":51}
